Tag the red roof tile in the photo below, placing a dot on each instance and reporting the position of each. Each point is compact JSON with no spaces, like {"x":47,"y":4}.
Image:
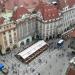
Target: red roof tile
{"x":19,"y":12}
{"x":72,"y":34}
{"x":1,"y":20}
{"x":49,"y":11}
{"x":31,"y":3}
{"x":10,"y":4}
{"x":61,"y":4}
{"x":71,"y":3}
{"x":64,"y":3}
{"x":71,"y":71}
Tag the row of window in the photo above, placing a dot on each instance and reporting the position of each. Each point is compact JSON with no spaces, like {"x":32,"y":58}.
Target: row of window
{"x":10,"y":39}
{"x":69,"y":14}
{"x":9,"y":31}
{"x":5,"y":27}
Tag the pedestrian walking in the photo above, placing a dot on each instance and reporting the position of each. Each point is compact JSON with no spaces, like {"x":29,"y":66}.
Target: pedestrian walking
{"x":23,"y":72}
{"x":39,"y":60}
{"x":38,"y":73}
{"x":46,"y":61}
{"x":50,"y":66}
{"x":18,"y":65}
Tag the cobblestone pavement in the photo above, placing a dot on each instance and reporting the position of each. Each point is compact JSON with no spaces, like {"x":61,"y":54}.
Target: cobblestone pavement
{"x":50,"y":62}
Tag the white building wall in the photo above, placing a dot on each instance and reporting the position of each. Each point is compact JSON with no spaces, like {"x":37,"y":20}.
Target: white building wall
{"x":59,"y":27}
{"x":3,"y":48}
{"x":7,"y":38}
{"x":24,"y":40}
{"x":12,"y":35}
{"x":69,"y":17}
{"x":27,"y":27}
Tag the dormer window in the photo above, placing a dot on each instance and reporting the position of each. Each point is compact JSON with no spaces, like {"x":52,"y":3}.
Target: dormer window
{"x":66,"y":8}
{"x":59,"y":14}
{"x":21,"y":6}
{"x":34,"y":12}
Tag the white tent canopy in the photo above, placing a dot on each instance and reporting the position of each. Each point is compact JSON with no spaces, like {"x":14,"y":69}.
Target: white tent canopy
{"x":35,"y":47}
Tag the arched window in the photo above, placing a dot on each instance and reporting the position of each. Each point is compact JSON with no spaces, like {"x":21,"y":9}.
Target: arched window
{"x":27,"y":41}
{"x":22,"y":43}
{"x":37,"y":37}
{"x":50,"y":37}
{"x":8,"y":49}
{"x":46,"y":38}
{"x":33,"y":38}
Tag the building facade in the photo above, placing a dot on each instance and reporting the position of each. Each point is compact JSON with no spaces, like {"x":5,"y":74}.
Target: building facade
{"x":72,"y":39}
{"x":54,"y":20}
{"x":25,"y":25}
{"x":8,"y":35}
{"x":71,"y":67}
{"x":68,"y":17}
{"x":50,"y":21}
{"x":26,"y":30}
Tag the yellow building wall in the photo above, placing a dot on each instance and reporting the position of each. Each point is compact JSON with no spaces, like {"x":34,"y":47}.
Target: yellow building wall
{"x":1,"y":42}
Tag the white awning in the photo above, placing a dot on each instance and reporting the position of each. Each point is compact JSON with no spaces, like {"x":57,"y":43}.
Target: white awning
{"x":29,"y":51}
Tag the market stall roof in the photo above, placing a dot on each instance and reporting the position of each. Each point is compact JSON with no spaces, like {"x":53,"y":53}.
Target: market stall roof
{"x":32,"y":49}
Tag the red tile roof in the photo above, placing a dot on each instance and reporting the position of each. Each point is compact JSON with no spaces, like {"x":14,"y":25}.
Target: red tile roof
{"x":71,"y":3}
{"x":48,"y":11}
{"x":72,"y":34}
{"x":31,"y":3}
{"x":61,"y":4}
{"x":10,"y":4}
{"x":1,"y":20}
{"x":71,"y":71}
{"x":64,"y":3}
{"x":19,"y":12}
